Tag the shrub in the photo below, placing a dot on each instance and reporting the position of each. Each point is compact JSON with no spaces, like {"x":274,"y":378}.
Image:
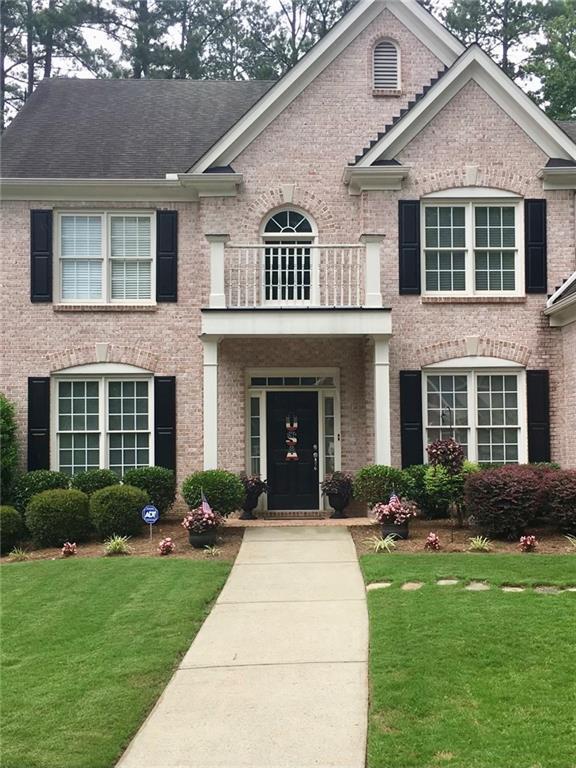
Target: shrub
{"x":528,"y":543}
{"x":31,"y":483}
{"x":504,"y":501}
{"x":376,"y":483}
{"x":93,"y":480}
{"x":158,"y":482}
{"x":446,"y":453}
{"x":11,"y":528}
{"x":116,"y":510}
{"x":382,"y":543}
{"x":69,"y":549}
{"x":117,"y":545}
{"x":440,"y":487}
{"x":18,"y":555}
{"x":432,"y":543}
{"x":223,"y":490}
{"x":561,"y":499}
{"x":58,"y":515}
{"x":9,"y":452}
{"x":166,"y":546}
{"x":414,"y":484}
{"x":480,"y":544}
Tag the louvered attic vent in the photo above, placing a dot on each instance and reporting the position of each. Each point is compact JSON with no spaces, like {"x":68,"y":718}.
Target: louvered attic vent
{"x":386,"y":67}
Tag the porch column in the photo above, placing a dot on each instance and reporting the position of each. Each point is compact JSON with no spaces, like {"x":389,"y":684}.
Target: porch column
{"x":217,"y":245}
{"x":210,"y":401}
{"x":382,"y":452}
{"x":372,"y":273}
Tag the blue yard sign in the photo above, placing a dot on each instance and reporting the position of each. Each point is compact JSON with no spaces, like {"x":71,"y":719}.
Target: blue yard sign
{"x":150,"y":514}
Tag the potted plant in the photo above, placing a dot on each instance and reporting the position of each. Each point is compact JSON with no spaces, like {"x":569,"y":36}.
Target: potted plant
{"x":254,"y":487}
{"x":202,"y":526}
{"x":338,"y":488}
{"x":395,"y":516}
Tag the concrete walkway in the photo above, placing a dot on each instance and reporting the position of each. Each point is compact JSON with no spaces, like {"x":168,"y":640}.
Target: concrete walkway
{"x":277,"y":676}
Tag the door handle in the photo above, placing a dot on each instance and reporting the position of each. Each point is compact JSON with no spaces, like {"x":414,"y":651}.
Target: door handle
{"x":315,"y":457}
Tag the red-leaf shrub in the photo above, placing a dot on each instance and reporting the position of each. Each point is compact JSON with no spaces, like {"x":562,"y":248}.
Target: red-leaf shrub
{"x":528,"y":543}
{"x":504,"y":501}
{"x":446,"y":453}
{"x":432,"y":542}
{"x":561,"y":499}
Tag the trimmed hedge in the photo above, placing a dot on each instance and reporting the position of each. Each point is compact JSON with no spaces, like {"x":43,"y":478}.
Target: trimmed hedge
{"x":94,"y":480}
{"x":11,"y":528}
{"x":504,"y":501}
{"x":376,"y":482}
{"x":561,"y":499}
{"x":9,"y":452}
{"x":116,"y":510}
{"x":58,"y":515}
{"x":31,"y":483}
{"x":158,"y":482}
{"x":224,"y":490}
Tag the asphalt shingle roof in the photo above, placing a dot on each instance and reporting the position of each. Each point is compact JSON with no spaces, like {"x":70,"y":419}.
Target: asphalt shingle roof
{"x":569,"y":128}
{"x":74,"y":128}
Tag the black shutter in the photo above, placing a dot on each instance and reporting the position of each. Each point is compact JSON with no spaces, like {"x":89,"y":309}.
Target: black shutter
{"x":167,"y":256}
{"x":409,"y":245}
{"x":38,"y":423}
{"x":41,"y":256}
{"x":538,"y":392}
{"x":535,"y":245}
{"x":165,"y":421}
{"x":411,"y":418}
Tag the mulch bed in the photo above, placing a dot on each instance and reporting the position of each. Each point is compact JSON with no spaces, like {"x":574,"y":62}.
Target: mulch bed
{"x":457,"y":539}
{"x":228,"y":544}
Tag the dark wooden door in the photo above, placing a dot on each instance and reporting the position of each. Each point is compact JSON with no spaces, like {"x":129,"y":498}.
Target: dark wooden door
{"x":292,"y":482}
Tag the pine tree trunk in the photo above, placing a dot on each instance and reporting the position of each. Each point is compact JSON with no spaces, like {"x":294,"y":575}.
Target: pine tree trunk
{"x":29,"y":48}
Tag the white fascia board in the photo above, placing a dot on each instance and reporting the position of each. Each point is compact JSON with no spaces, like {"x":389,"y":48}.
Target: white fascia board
{"x":470,"y":193}
{"x":376,"y":177}
{"x":478,"y":66}
{"x":473,"y":361}
{"x":225,"y":323}
{"x":557,"y":293}
{"x":103,"y":369}
{"x":441,"y":42}
{"x":563,"y":312}
{"x":191,"y":187}
{"x":558,"y":178}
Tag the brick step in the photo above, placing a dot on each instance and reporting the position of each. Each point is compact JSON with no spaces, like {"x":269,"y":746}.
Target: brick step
{"x":294,"y":514}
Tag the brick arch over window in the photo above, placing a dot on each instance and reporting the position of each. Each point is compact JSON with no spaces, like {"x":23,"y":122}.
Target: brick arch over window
{"x":292,"y":196}
{"x":495,"y":178}
{"x":476,"y":346}
{"x":103,"y":353}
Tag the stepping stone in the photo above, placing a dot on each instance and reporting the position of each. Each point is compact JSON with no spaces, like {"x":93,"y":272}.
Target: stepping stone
{"x":378,"y":585}
{"x":412,"y":586}
{"x":512,"y":589}
{"x":571,"y":589}
{"x":477,"y":586}
{"x":447,"y":582}
{"x":547,"y":590}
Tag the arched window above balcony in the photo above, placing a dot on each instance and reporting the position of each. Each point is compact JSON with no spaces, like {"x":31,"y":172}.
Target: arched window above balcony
{"x":287,"y":222}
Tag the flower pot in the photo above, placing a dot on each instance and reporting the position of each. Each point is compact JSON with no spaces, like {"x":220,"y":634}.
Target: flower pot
{"x":400,"y":531}
{"x":201,"y":540}
{"x":249,"y":506}
{"x":338,"y":504}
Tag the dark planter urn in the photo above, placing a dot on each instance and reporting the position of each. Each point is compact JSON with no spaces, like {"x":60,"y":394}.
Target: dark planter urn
{"x":201,"y":540}
{"x":338,"y":504}
{"x":400,"y":531}
{"x":249,"y":506}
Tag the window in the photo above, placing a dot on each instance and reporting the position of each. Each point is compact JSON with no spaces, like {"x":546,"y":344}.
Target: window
{"x":255,"y":435}
{"x":288,"y":236}
{"x":386,"y":66}
{"x":480,"y":409}
{"x":329,"y":436}
{"x":472,"y":248}
{"x":103,"y":422}
{"x":106,"y":257}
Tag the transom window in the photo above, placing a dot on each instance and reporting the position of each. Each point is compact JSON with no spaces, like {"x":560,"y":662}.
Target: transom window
{"x":105,"y":257}
{"x":103,"y":422}
{"x":386,"y":66}
{"x":472,"y":248}
{"x":481,"y":410}
{"x":288,"y":258}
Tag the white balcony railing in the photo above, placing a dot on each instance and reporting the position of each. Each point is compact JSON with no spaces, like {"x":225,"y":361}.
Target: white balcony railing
{"x":295,"y":274}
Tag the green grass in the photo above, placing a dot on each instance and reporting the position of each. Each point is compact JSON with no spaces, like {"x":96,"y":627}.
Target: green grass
{"x":471,"y":680}
{"x":88,"y":646}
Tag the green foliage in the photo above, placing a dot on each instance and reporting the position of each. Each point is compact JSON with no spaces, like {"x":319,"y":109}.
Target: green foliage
{"x":18,"y":555}
{"x":480,"y":544}
{"x":93,"y":480}
{"x":11,"y":528}
{"x":561,"y":499}
{"x":223,"y":490}
{"x":415,"y":488}
{"x":9,"y":452}
{"x":117,"y":545}
{"x":158,"y":482}
{"x":376,"y":482}
{"x":58,"y":515}
{"x":382,"y":543}
{"x":116,"y":510}
{"x":31,"y":483}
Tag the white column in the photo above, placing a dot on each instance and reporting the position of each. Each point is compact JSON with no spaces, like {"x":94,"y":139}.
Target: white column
{"x":372,"y":274}
{"x":210,"y":402}
{"x":217,"y":246}
{"x":382,"y":452}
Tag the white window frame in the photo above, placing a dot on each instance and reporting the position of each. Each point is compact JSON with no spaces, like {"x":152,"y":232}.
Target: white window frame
{"x":102,"y":378}
{"x":469,"y":249}
{"x":472,"y":368}
{"x":106,"y":256}
{"x":386,"y":91}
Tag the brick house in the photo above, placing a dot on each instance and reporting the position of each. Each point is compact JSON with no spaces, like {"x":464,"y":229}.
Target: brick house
{"x":358,"y":256}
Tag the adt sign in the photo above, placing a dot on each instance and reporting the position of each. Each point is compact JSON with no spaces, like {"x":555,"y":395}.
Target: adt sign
{"x":150,"y":514}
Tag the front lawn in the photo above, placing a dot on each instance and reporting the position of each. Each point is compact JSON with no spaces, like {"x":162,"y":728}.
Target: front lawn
{"x":471,"y":679}
{"x":87,"y":647}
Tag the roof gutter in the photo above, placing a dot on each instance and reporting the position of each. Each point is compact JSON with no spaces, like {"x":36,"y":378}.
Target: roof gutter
{"x":562,"y":312}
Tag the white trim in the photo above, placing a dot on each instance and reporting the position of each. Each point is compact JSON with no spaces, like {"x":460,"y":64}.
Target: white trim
{"x":473,"y":361}
{"x":382,"y":427}
{"x":475,"y":65}
{"x":103,"y":369}
{"x":374,"y":178}
{"x":398,"y":85}
{"x":210,"y":402}
{"x":471,"y":193}
{"x":558,"y":178}
{"x":444,"y":45}
{"x":559,"y":291}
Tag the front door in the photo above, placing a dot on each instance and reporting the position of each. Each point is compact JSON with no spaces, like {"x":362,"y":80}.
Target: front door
{"x":292,"y":436}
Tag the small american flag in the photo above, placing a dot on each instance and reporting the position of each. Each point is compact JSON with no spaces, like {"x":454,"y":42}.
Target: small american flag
{"x":393,"y":498}
{"x":205,"y":506}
